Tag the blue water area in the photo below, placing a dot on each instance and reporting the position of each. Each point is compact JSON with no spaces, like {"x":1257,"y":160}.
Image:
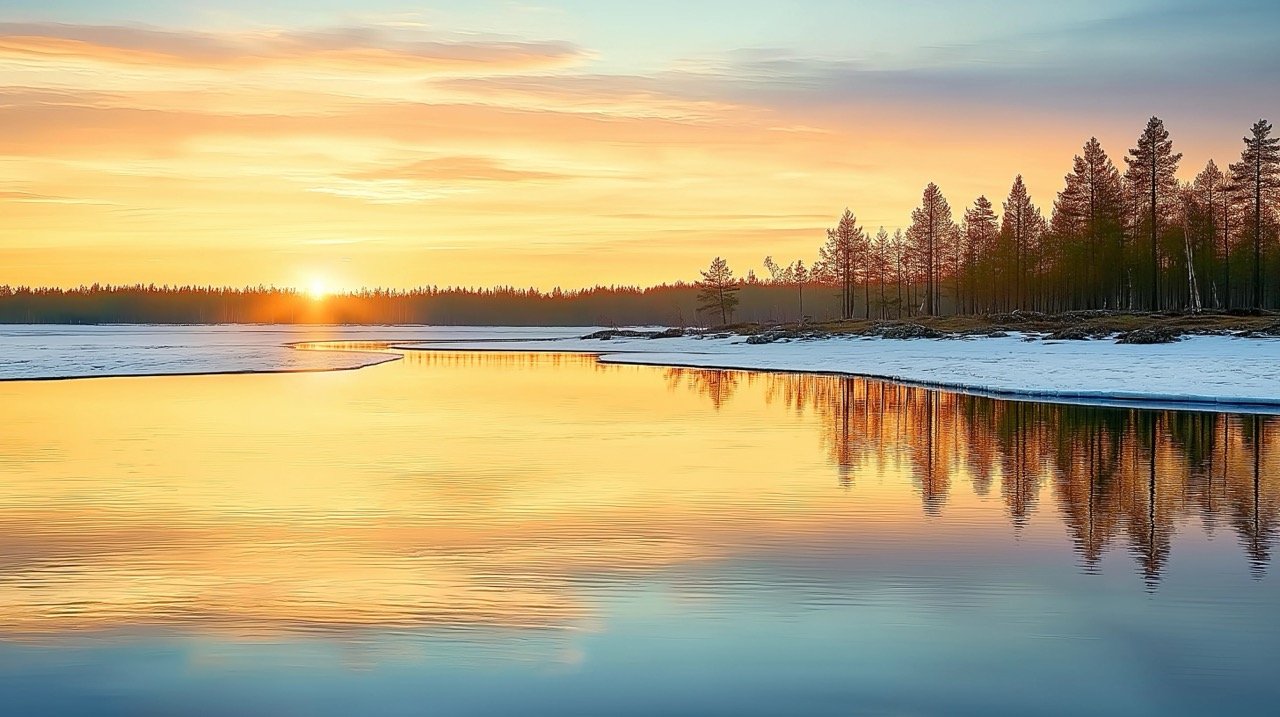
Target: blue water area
{"x":458,"y":534}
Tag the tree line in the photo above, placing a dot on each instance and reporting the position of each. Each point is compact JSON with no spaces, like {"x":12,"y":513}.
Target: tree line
{"x":1137,"y":240}
{"x":665,"y":304}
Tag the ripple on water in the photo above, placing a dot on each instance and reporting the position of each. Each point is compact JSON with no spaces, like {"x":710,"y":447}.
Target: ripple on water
{"x":433,"y":528}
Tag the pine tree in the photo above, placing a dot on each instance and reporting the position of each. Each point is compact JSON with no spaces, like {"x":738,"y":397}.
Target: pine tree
{"x":1187,"y":216}
{"x":1087,"y":224}
{"x":931,"y":228}
{"x":899,"y":250}
{"x":1232,"y":218}
{"x":1257,"y":177}
{"x":1206,"y":200}
{"x":1020,"y":235}
{"x":1151,"y":176}
{"x":800,"y":275}
{"x":717,"y":291}
{"x":981,"y":232}
{"x":776,"y":273}
{"x":838,"y":259}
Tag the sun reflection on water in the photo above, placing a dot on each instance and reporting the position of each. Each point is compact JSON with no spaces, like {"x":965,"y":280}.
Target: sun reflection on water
{"x":467,"y":491}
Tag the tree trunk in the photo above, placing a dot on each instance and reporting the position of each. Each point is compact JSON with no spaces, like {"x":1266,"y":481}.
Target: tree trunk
{"x":1257,"y":230}
{"x":1155,"y":250}
{"x":1226,"y":252}
{"x":1192,"y":288}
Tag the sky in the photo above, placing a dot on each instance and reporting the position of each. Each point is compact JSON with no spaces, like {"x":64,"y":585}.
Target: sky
{"x":567,"y":142}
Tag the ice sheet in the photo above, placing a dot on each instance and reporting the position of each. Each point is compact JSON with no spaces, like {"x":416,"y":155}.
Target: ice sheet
{"x":1196,"y":371}
{"x":48,"y":351}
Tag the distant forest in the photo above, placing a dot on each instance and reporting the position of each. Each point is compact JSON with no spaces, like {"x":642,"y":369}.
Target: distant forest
{"x":666,"y":305}
{"x":602,"y":306}
{"x":1137,"y":240}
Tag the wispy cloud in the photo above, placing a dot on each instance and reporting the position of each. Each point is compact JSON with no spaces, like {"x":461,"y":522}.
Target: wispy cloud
{"x":216,"y":148}
{"x":385,"y":191}
{"x":34,"y":198}
{"x":457,"y":169}
{"x":345,"y":47}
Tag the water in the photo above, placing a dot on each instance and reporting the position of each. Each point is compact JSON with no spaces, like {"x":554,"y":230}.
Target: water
{"x":495,"y":534}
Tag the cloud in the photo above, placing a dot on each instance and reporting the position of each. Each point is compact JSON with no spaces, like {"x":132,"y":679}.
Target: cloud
{"x":27,"y":197}
{"x":271,"y":139}
{"x":674,"y":94}
{"x":457,"y":169}
{"x":1170,"y":55}
{"x":35,"y":198}
{"x":388,"y":191}
{"x":362,"y":47}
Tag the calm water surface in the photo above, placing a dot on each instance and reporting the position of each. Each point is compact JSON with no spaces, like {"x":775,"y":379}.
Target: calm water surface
{"x":499,"y":534}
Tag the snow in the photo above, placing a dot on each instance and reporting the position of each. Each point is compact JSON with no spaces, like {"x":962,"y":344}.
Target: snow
{"x":46,"y":351}
{"x":1197,"y":372}
{"x":1218,"y":372}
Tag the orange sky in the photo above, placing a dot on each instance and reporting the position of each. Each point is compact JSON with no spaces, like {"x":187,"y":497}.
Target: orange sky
{"x":383,"y":151}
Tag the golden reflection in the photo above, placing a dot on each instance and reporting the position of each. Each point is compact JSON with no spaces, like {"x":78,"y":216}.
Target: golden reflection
{"x":460,"y":489}
{"x":717,"y":386}
{"x":1114,"y":472}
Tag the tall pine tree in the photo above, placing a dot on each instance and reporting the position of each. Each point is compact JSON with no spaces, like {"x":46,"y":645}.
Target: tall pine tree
{"x":1257,"y":177}
{"x":1020,"y":234}
{"x":1204,"y":212}
{"x":838,"y":259}
{"x":1088,"y":225}
{"x":1153,"y":185}
{"x":981,"y":232}
{"x":718,"y":291}
{"x":931,"y":229}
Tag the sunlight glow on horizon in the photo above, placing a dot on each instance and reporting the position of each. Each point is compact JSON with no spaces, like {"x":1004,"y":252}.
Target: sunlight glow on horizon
{"x":318,"y":288}
{"x":417,"y":147}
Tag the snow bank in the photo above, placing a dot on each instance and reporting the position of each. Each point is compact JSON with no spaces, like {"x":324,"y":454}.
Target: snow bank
{"x":47,"y":352}
{"x":1197,"y":372}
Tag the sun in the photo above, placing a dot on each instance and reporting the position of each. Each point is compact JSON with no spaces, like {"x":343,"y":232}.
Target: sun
{"x":317,"y":288}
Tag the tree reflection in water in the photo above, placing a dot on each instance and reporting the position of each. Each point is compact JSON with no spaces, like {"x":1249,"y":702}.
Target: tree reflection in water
{"x":1121,"y":477}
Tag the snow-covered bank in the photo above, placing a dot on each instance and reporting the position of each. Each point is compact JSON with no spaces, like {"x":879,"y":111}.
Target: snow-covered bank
{"x":1199,"y":372}
{"x":47,"y":352}
{"x":1217,"y":372}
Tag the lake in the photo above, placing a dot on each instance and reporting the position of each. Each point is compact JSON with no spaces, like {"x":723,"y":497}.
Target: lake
{"x":505,"y":533}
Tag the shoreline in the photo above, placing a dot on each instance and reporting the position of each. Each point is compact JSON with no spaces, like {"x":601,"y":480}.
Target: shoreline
{"x":803,"y":356}
{"x":1207,"y":373}
{"x":189,"y":374}
{"x":1138,"y":400}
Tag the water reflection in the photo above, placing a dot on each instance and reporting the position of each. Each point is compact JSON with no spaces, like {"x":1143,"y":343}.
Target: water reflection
{"x":495,"y":533}
{"x":1119,"y":476}
{"x":457,"y":490}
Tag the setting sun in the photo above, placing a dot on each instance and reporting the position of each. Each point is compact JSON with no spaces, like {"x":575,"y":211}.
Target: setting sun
{"x":578,"y":357}
{"x":317,"y":288}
